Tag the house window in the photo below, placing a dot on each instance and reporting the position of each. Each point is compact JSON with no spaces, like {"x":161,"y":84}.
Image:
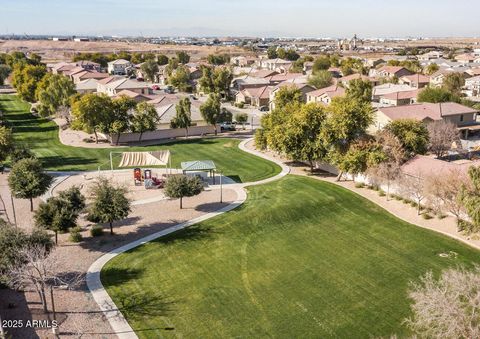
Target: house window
{"x":461,"y":117}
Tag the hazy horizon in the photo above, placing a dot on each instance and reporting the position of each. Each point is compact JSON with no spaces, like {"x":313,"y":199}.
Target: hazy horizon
{"x":267,"y":18}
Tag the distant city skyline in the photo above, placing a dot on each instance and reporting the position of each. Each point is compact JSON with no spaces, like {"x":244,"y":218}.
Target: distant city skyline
{"x":265,"y":18}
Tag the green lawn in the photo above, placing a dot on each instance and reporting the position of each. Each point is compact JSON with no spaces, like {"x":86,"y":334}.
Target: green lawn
{"x":300,"y":259}
{"x":41,"y":135}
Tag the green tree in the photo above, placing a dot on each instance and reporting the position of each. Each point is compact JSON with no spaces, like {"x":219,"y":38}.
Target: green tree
{"x":6,"y":142}
{"x":287,"y":95}
{"x":322,"y":63}
{"x":150,"y":69}
{"x":431,"y":69}
{"x":241,"y":118}
{"x":109,"y":203}
{"x":180,"y":78}
{"x":320,"y":79}
{"x":362,"y":154}
{"x":218,"y":59}
{"x":59,"y":214}
{"x":25,"y":79}
{"x":53,"y":92}
{"x":360,"y":89}
{"x":162,"y":59}
{"x":183,"y":117}
{"x":222,"y":77}
{"x":470,"y":196}
{"x":120,"y":119}
{"x":454,"y":82}
{"x":92,"y":112}
{"x":145,"y":118}
{"x":302,"y":133}
{"x":272,"y":52}
{"x":413,"y":135}
{"x":21,"y":152}
{"x":211,"y":109}
{"x":206,"y":81}
{"x":183,"y":57}
{"x":27,"y":180}
{"x":436,"y":95}
{"x":224,"y":116}
{"x":180,"y":186}
{"x":5,"y":71}
{"x":347,"y":121}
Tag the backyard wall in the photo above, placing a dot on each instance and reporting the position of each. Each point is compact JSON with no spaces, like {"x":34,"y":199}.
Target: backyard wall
{"x":162,"y":134}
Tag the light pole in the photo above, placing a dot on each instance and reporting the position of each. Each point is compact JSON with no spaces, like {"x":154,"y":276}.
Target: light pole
{"x":221,"y":188}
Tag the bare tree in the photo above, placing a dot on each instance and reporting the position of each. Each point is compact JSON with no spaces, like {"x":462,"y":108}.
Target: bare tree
{"x":388,"y":171}
{"x":448,"y":307}
{"x":413,"y":186}
{"x":443,"y":189}
{"x":442,"y":135}
{"x":40,"y":269}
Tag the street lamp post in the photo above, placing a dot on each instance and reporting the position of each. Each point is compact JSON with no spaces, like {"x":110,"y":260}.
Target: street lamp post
{"x":221,"y":188}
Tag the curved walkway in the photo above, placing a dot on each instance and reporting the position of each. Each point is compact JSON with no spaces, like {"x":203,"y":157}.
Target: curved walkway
{"x":112,"y":313}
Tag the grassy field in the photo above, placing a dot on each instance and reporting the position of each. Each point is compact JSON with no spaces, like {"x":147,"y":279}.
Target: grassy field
{"x":41,"y":136}
{"x":300,"y":259}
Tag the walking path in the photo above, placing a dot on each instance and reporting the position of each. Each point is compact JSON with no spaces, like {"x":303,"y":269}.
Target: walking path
{"x":119,"y":324}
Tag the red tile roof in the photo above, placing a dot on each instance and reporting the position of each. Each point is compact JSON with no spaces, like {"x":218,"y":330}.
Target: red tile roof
{"x":426,"y":111}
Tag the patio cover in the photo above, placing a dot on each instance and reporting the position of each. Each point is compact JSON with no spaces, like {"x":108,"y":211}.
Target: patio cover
{"x":198,"y":165}
{"x":142,"y":159}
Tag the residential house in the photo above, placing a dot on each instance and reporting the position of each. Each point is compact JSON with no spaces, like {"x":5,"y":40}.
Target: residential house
{"x":304,"y":89}
{"x":114,"y":85}
{"x":430,"y":56}
{"x":257,"y":96}
{"x":399,"y":98}
{"x":472,"y":86}
{"x":382,"y":90}
{"x":119,"y":67}
{"x":138,"y":97}
{"x":390,"y":72}
{"x":247,"y":81}
{"x":242,"y":61}
{"x":415,"y":80}
{"x":466,"y":58}
{"x":166,"y":110}
{"x":463,"y":117}
{"x":325,"y":95}
{"x":86,"y":86}
{"x":345,"y":81}
{"x":436,"y":79}
{"x":279,"y":65}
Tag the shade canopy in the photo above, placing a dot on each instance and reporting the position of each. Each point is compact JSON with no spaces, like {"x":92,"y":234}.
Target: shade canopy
{"x":198,"y":165}
{"x":141,"y":159}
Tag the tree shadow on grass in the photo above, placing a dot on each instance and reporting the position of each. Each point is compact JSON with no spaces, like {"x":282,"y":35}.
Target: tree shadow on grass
{"x":190,"y":233}
{"x":64,"y":162}
{"x":140,"y":305}
{"x":116,"y":276}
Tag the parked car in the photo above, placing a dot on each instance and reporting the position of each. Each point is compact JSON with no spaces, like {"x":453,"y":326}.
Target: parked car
{"x":169,"y":90}
{"x":227,"y":126}
{"x":263,"y":109}
{"x":155,"y":87}
{"x":193,"y":97}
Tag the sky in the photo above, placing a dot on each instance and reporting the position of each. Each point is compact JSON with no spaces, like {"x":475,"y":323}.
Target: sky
{"x":261,"y":18}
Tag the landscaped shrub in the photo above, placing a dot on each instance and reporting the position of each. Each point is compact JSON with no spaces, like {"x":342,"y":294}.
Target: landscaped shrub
{"x":426,"y":216}
{"x":75,"y":235}
{"x":381,"y":193}
{"x":413,"y":204}
{"x":467,"y":227}
{"x":96,"y":231}
{"x":359,"y":185}
{"x":441,"y":215}
{"x":397,"y":197}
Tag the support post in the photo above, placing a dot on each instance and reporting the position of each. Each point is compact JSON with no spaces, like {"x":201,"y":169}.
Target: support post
{"x":221,"y":188}
{"x":111,"y":162}
{"x":13,"y":208}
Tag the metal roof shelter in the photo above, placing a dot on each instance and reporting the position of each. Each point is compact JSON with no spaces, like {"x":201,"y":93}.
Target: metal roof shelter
{"x":199,"y":165}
